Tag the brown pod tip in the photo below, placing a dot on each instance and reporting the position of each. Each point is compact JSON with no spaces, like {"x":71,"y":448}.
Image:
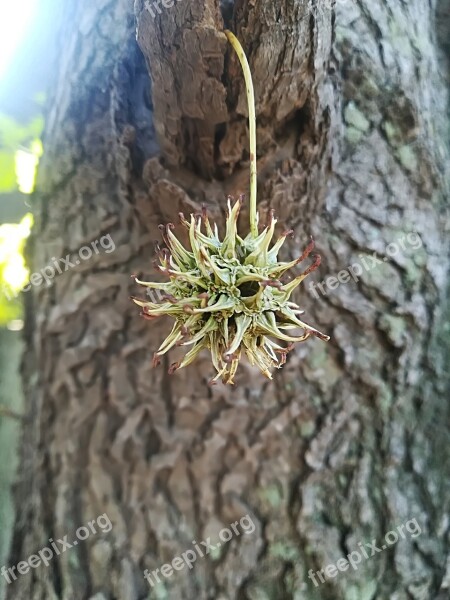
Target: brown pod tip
{"x":169,"y":298}
{"x":148,"y":317}
{"x":271,"y":283}
{"x":309,"y":248}
{"x":321,"y":336}
{"x":270,"y":217}
{"x":173,"y":367}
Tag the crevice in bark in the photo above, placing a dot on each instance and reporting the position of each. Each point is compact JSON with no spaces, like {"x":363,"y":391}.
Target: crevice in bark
{"x":226,"y":8}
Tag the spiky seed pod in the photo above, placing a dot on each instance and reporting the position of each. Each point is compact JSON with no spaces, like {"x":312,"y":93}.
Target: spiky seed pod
{"x":227,"y":296}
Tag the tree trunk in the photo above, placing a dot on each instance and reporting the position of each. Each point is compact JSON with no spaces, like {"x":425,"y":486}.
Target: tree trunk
{"x":348,"y":441}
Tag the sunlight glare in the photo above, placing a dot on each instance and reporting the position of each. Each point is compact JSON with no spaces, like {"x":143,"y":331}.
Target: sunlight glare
{"x":26,"y":165}
{"x":15,"y":17}
{"x":12,"y":237}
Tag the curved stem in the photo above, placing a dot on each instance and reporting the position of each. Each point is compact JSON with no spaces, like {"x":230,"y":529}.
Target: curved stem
{"x":252,"y":128}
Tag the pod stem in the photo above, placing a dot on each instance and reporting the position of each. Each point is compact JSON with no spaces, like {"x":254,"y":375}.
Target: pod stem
{"x":252,"y":128}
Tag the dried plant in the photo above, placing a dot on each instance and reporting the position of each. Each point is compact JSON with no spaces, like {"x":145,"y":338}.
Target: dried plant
{"x":227,"y":295}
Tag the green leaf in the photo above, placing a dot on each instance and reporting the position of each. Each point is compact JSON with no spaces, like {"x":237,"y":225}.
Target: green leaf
{"x":7,"y":172}
{"x":15,"y":136}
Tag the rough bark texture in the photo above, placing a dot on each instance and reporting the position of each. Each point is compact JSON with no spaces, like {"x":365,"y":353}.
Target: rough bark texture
{"x":348,"y":441}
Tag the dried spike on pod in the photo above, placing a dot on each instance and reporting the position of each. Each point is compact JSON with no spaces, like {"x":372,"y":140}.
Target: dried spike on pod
{"x":270,"y":217}
{"x":309,"y":248}
{"x":228,"y":358}
{"x":271,"y":283}
{"x":169,"y":298}
{"x":173,"y":367}
{"x":148,"y":317}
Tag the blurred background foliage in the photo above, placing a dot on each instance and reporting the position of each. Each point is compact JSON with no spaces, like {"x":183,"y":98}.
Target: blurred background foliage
{"x":20,"y":150}
{"x":27,"y":49}
{"x":28,"y":31}
{"x":13,"y":271}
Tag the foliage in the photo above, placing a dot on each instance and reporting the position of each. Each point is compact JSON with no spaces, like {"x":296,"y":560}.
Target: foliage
{"x":20,"y":150}
{"x":17,"y":143}
{"x":13,"y":271}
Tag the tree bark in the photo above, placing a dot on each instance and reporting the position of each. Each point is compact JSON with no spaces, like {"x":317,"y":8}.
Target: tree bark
{"x":348,"y":442}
